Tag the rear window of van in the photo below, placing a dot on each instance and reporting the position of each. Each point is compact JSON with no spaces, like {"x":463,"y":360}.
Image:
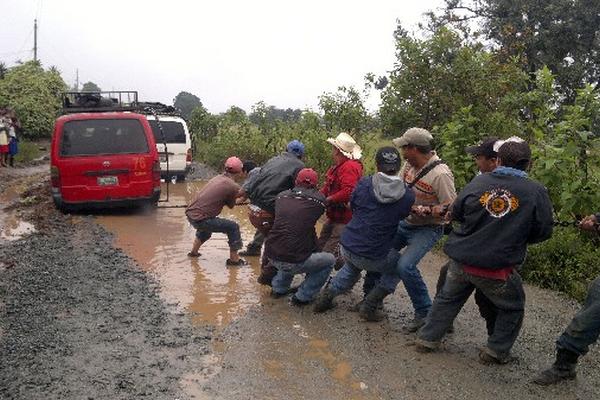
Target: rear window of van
{"x":174,"y":132}
{"x":103,"y":136}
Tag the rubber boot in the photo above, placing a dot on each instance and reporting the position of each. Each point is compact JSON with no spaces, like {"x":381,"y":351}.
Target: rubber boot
{"x":562,"y":369}
{"x":324,"y":301}
{"x":368,"y":309}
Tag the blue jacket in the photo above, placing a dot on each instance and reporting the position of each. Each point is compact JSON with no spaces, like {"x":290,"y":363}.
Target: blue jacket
{"x":378,"y":203}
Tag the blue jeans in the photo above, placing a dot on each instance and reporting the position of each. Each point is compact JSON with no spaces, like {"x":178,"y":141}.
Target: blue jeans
{"x":347,"y":277}
{"x":206,"y":227}
{"x":317,"y":268}
{"x":416,"y":240}
{"x":584,"y":329}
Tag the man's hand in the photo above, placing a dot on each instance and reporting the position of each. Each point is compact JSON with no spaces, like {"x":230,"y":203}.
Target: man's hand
{"x":440,"y":210}
{"x":589,"y":223}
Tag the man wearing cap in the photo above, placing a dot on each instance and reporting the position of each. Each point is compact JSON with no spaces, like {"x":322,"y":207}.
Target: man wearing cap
{"x":340,"y":181}
{"x":292,"y":242}
{"x":433,"y":183}
{"x":486,"y":159}
{"x":378,"y":203}
{"x":500,"y":213}
{"x":220,"y":191}
{"x":275,"y":176}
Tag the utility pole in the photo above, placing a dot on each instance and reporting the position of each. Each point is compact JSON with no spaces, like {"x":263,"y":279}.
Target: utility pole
{"x":77,"y":80}
{"x":35,"y":40}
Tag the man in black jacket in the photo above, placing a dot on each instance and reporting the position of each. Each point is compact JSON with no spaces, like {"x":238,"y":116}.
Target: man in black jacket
{"x":292,"y":242}
{"x":500,"y":213}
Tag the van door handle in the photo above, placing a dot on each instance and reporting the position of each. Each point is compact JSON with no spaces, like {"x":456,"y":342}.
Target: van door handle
{"x":106,"y":172}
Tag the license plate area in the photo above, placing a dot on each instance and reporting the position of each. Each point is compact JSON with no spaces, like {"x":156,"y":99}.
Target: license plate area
{"x":107,"y":181}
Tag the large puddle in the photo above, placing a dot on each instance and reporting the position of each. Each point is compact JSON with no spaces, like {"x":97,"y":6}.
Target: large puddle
{"x":160,"y":240}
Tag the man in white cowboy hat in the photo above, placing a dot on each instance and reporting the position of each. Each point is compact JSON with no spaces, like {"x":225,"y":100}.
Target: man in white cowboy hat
{"x":340,"y":181}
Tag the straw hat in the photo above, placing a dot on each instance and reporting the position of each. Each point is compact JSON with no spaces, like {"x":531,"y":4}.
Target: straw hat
{"x":344,"y":143}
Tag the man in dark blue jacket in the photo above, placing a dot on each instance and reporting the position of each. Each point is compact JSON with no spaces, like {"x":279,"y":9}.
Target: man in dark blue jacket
{"x":379,"y":202}
{"x":500,"y":213}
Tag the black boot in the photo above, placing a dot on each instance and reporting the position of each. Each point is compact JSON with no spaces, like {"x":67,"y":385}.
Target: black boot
{"x":562,"y":369}
{"x":325,"y":301}
{"x":368,"y":308}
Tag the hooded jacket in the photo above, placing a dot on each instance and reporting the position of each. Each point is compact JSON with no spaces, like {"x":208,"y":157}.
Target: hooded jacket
{"x":378,"y":203}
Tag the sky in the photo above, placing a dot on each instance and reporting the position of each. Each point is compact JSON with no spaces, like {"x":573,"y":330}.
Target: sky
{"x":226,"y":52}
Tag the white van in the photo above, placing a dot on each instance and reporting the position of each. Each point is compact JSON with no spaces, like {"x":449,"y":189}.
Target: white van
{"x":179,"y":145}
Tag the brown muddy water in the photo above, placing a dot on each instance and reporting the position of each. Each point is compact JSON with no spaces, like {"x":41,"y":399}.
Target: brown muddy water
{"x":159,"y":241}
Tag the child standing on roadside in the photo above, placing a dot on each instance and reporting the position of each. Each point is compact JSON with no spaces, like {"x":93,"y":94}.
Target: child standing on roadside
{"x":4,"y":126}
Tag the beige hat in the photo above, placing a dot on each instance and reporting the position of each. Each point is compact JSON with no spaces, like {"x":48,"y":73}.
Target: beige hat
{"x":344,"y":143}
{"x":414,"y":136}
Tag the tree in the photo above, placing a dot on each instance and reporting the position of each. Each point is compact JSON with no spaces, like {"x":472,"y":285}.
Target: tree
{"x":186,"y":103}
{"x":3,"y":70}
{"x":344,"y":110}
{"x":90,"y":87}
{"x":234,"y":116}
{"x":436,"y":77}
{"x":203,"y":124}
{"x":560,"y":34}
{"x":35,"y":95}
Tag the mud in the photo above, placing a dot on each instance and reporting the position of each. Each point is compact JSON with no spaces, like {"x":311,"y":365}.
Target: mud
{"x":110,"y":307}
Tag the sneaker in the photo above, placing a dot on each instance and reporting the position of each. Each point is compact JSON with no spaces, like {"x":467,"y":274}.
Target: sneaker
{"x":250,"y":253}
{"x":324,"y":301}
{"x":276,"y":295}
{"x":422,"y":346}
{"x":297,"y":302}
{"x":193,"y":255}
{"x":488,"y":357}
{"x":415,"y":324}
{"x":237,"y":263}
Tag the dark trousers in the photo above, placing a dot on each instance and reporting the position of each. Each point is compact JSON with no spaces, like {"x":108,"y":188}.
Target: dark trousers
{"x":486,"y":308}
{"x":257,"y":241}
{"x":507,"y":296}
{"x":584,"y":329}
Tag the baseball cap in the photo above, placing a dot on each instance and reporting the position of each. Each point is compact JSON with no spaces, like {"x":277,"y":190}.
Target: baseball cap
{"x":387,"y":159}
{"x":499,"y":143}
{"x":296,"y":147}
{"x":307,"y":177}
{"x":233,"y":165}
{"x":415,"y":137}
{"x":484,"y":148}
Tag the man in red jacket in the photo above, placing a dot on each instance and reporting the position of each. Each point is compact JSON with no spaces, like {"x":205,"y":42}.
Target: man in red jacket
{"x":340,"y":181}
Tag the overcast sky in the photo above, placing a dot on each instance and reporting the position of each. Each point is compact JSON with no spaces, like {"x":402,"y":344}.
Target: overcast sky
{"x":227,"y":52}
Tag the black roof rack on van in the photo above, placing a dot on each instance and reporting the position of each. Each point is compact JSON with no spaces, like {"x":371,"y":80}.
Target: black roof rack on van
{"x":116,"y":100}
{"x":158,"y":108}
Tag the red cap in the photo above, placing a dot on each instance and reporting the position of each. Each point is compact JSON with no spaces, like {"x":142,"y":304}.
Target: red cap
{"x":307,"y":177}
{"x":234,"y":165}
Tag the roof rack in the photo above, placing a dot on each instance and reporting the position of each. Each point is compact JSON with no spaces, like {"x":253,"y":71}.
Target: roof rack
{"x":158,"y":108}
{"x":116,"y":100}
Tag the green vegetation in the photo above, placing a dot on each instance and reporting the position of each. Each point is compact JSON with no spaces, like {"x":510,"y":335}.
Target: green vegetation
{"x":28,"y":151}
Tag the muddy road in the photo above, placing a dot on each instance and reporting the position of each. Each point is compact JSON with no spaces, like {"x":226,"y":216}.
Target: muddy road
{"x":109,"y":307}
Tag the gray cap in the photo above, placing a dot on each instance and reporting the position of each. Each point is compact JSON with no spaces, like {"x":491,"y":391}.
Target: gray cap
{"x":415,"y":137}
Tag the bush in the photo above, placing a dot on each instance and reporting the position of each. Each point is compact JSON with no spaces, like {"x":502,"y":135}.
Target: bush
{"x":28,"y":151}
{"x":567,"y":262}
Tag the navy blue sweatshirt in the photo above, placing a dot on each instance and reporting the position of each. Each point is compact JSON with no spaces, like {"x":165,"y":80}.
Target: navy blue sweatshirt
{"x":378,"y":203}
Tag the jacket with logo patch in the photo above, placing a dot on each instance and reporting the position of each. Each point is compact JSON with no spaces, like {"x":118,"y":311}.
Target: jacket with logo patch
{"x":499,"y":215}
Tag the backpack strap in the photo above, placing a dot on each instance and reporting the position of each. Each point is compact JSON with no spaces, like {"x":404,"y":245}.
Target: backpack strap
{"x":424,"y":172}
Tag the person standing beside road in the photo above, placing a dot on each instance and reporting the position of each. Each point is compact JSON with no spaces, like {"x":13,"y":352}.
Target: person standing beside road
{"x":378,"y":203}
{"x":220,"y":191}
{"x":275,"y":176}
{"x":433,"y":184}
{"x":292,"y":242}
{"x":340,"y":181}
{"x":583,"y":330}
{"x":4,"y":127}
{"x":500,"y":213}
